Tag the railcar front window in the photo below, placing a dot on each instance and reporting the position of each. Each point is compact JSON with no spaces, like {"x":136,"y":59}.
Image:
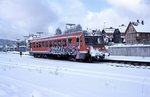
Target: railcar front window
{"x":88,"y":41}
{"x":94,"y":40}
{"x":100,"y":40}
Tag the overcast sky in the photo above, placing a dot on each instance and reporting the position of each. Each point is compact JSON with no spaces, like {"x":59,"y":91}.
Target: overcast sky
{"x":19,"y":18}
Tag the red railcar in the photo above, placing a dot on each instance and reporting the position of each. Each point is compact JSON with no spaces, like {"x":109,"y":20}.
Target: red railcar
{"x":77,"y":46}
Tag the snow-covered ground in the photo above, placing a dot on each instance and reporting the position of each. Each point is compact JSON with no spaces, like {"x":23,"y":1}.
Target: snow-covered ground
{"x":25,"y":76}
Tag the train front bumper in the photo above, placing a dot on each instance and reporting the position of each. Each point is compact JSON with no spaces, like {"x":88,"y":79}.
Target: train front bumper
{"x":95,"y":53}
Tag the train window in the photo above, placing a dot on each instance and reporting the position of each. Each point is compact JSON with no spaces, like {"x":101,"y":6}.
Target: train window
{"x":33,"y":44}
{"x":46,"y":43}
{"x":30,"y":44}
{"x":100,"y":40}
{"x":50,"y":43}
{"x":94,"y":40}
{"x":64,"y":42}
{"x":77,"y":41}
{"x":39,"y":44}
{"x":81,"y":41}
{"x":88,"y":40}
{"x":59,"y":42}
{"x":42,"y":43}
{"x":55,"y":43}
{"x":70,"y":41}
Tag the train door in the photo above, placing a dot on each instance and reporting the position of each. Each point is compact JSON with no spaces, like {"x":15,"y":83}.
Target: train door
{"x":74,"y":41}
{"x":81,"y":43}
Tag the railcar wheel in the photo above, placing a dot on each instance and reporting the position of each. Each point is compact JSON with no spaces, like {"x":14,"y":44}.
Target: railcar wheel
{"x":91,"y":59}
{"x":34,"y":55}
{"x":72,"y":58}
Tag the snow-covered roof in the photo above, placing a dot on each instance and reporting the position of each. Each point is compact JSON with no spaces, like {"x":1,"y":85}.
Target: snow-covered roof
{"x":142,"y":28}
{"x":111,"y":30}
{"x":122,"y":29}
{"x":107,"y":30}
{"x":22,"y":46}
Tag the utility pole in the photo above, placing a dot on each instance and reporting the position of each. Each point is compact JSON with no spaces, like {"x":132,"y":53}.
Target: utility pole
{"x":26,"y":42}
{"x":18,"y":44}
{"x":70,"y":25}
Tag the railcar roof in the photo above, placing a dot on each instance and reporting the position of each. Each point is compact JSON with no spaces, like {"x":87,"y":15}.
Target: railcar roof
{"x":58,"y":36}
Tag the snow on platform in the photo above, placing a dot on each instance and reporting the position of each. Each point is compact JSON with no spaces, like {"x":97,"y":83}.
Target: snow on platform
{"x":16,"y":52}
{"x":26,"y":76}
{"x":128,"y":58}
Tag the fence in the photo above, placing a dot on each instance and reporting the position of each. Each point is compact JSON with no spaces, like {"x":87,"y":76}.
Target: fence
{"x":143,"y":51}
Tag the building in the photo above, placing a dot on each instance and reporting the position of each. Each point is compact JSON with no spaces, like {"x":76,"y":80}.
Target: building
{"x":1,"y":48}
{"x":115,"y":35}
{"x":137,"y":33}
{"x":8,"y":48}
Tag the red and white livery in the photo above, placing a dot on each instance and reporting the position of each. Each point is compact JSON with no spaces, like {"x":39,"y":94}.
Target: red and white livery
{"x":78,"y":46}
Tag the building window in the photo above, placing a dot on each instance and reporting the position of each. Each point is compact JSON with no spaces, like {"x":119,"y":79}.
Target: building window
{"x":137,"y":34}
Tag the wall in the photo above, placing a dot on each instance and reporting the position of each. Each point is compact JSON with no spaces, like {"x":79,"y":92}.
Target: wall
{"x":143,"y":51}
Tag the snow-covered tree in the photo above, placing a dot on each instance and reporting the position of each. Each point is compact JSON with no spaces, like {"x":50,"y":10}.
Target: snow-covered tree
{"x":78,"y":27}
{"x":58,"y":31}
